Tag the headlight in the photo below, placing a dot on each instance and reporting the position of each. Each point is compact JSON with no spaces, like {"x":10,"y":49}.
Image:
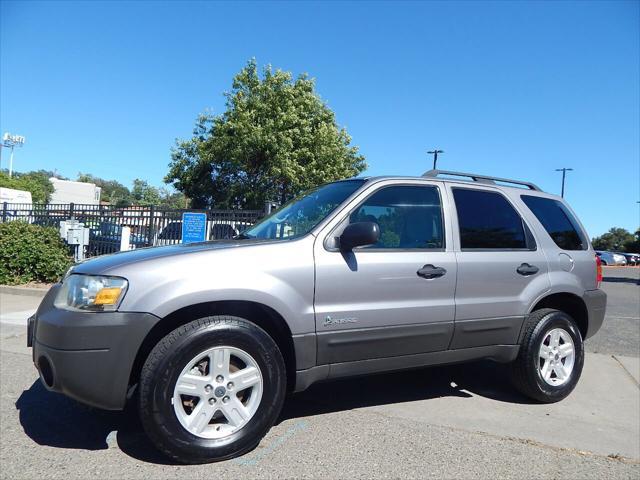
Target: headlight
{"x":91,"y":293}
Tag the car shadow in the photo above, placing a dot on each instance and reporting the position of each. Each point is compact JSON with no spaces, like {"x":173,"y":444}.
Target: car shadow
{"x":634,"y":281}
{"x":54,"y":420}
{"x":483,"y":378}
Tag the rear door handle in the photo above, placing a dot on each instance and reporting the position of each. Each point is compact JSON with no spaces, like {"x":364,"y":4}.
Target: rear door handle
{"x":429,"y":271}
{"x":526,"y":269}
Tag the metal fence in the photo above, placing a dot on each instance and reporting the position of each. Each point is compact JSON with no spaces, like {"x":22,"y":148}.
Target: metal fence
{"x":149,"y":226}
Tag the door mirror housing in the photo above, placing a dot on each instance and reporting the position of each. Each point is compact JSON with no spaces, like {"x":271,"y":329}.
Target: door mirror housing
{"x":359,"y":234}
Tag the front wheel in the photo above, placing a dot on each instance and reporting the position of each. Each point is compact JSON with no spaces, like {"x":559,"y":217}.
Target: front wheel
{"x":211,"y":389}
{"x":551,"y":356}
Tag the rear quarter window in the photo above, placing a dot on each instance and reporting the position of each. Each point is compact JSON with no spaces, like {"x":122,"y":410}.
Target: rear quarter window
{"x":558,"y":221}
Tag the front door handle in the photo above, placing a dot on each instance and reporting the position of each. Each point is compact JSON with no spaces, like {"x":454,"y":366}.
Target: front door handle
{"x":429,"y":271}
{"x":526,"y":269}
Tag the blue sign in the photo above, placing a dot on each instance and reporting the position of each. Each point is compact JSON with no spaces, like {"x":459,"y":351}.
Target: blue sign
{"x":194,"y":227}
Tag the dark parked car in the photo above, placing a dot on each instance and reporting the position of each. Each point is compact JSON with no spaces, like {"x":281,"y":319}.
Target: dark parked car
{"x":106,"y":239}
{"x":172,"y":233}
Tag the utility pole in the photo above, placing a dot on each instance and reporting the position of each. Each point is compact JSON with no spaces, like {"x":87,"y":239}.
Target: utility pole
{"x":564,"y":174}
{"x":435,"y":153}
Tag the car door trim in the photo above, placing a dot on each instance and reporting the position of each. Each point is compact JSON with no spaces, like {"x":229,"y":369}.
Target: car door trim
{"x":486,"y":331}
{"x":498,"y":353}
{"x":378,"y":342}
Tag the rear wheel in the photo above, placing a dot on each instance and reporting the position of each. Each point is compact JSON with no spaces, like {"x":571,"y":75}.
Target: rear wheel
{"x":551,"y":356}
{"x":211,"y":389}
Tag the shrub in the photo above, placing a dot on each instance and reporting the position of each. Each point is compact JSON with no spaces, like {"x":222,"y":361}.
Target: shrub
{"x":35,"y":182}
{"x":31,"y":253}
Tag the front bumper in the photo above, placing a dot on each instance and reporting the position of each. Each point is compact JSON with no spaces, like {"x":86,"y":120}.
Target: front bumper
{"x":87,"y":356}
{"x":596,"y":302}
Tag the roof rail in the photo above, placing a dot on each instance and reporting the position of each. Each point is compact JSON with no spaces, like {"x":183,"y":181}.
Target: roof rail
{"x":481,"y":178}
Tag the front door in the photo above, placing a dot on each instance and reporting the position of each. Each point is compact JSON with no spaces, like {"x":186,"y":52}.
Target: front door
{"x":395,"y":297}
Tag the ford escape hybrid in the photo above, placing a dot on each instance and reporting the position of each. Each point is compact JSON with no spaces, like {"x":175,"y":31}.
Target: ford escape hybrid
{"x":354,"y":277}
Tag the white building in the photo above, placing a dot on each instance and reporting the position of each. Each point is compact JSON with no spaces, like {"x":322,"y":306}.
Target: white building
{"x":66,"y":191}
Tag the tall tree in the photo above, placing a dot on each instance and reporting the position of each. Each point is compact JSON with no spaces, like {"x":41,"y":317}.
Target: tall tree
{"x":145,"y":194}
{"x":616,"y":239}
{"x":276,"y":139}
{"x":633,"y":246}
{"x":169,"y":199}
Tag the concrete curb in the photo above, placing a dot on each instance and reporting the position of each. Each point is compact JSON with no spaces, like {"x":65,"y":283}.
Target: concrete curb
{"x":24,"y":291}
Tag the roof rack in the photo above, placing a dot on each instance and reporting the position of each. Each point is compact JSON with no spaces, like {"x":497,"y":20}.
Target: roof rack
{"x":481,"y":178}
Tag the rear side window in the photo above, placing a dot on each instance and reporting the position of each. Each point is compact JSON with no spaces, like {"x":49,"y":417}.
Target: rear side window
{"x":488,"y":221}
{"x":557,"y":220}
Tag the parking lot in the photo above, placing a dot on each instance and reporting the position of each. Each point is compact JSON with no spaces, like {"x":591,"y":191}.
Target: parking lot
{"x":461,"y":421}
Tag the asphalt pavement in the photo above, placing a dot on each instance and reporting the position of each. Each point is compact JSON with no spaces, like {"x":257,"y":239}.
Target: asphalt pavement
{"x":460,"y":421}
{"x":620,"y":333}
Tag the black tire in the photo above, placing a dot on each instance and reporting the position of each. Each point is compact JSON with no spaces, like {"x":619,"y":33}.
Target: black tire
{"x":164,"y":365}
{"x":525,"y":372}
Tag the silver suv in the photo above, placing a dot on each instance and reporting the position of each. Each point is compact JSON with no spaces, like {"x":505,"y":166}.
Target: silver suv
{"x":355,"y":277}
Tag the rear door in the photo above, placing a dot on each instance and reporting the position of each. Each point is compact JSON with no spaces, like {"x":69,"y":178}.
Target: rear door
{"x":500,"y":267}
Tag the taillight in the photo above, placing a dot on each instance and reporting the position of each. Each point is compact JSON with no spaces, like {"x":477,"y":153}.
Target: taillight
{"x":598,"y":271}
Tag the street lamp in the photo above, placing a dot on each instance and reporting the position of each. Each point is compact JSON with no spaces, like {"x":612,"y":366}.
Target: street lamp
{"x":435,"y":153}
{"x":11,"y":141}
{"x":564,"y":173}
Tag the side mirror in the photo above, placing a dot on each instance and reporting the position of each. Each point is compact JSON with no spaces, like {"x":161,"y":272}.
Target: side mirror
{"x":359,"y":234}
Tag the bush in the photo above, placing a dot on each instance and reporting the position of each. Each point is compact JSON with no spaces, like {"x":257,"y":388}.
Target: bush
{"x":35,"y":182}
{"x":31,"y":253}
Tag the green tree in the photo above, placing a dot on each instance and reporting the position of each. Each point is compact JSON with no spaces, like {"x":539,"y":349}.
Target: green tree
{"x":144,"y":194}
{"x":35,"y":182}
{"x":276,"y":139}
{"x":615,"y":239}
{"x":112,"y":191}
{"x":141,"y":193}
{"x":170,"y":199}
{"x":633,"y":246}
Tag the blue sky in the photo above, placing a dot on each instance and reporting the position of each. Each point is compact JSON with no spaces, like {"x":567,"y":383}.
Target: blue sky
{"x":513,"y":89}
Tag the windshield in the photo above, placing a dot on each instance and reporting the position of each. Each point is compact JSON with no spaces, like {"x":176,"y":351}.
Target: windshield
{"x":303,"y":213}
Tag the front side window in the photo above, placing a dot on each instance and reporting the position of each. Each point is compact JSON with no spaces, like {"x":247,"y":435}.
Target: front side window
{"x":408,"y":216}
{"x":302,"y":214}
{"x":557,"y":220}
{"x":488,"y":221}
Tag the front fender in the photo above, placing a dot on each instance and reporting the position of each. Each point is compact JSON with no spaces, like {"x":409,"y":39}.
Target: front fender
{"x":168,"y":298}
{"x":280,"y":276}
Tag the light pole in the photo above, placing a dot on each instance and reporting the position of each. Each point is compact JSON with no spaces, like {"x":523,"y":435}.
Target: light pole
{"x":11,"y":141}
{"x":564,"y":174}
{"x":435,"y":153}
